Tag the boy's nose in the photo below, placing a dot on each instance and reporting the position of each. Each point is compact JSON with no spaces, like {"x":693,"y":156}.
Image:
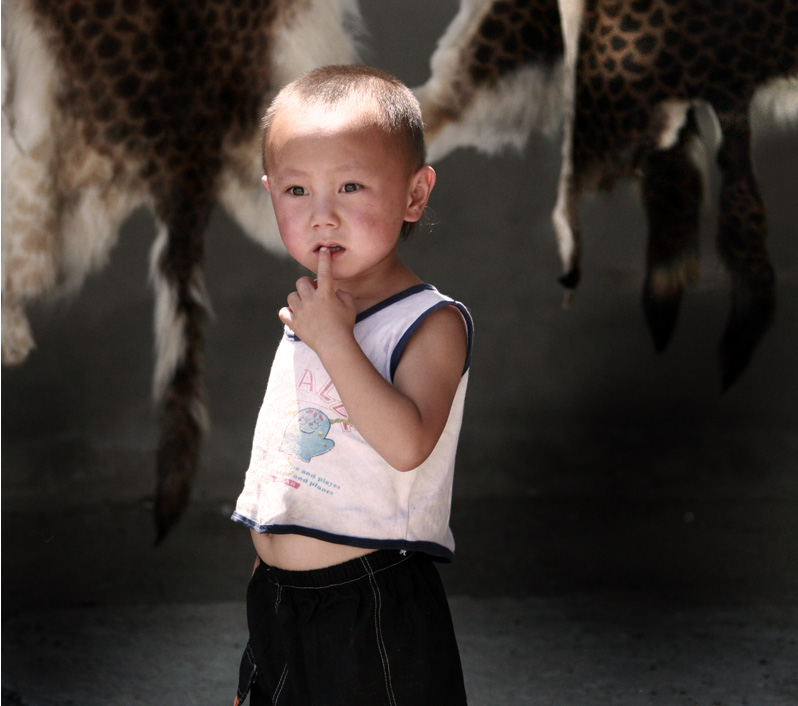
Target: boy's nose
{"x":324,"y":214}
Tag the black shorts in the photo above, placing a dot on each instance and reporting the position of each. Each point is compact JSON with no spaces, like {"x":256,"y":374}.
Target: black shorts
{"x":375,"y":630}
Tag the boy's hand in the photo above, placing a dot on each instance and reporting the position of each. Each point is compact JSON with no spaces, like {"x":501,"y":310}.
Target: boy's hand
{"x":318,"y":313}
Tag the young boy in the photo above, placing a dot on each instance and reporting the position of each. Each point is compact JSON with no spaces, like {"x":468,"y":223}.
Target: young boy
{"x":348,"y":491}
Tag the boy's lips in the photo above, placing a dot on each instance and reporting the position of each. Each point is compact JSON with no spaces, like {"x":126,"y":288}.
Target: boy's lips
{"x":332,"y":248}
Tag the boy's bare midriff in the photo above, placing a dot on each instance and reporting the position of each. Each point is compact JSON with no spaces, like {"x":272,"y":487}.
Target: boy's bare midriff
{"x":295,"y":552}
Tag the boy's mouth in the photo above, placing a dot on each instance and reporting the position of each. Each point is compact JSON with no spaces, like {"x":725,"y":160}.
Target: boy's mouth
{"x":332,"y":248}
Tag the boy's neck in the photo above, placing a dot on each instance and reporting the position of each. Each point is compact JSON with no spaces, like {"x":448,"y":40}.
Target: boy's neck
{"x":374,"y":290}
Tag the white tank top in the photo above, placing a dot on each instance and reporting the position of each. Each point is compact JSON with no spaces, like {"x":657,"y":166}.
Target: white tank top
{"x":312,"y":473}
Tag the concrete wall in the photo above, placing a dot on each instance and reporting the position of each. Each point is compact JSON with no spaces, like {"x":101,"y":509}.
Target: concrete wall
{"x":562,"y":403}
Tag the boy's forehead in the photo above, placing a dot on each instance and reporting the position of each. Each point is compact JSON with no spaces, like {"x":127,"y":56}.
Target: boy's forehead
{"x":306,"y":122}
{"x":319,"y":119}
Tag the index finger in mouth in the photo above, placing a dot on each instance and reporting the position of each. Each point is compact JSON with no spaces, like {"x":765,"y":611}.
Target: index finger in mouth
{"x":324,"y":270}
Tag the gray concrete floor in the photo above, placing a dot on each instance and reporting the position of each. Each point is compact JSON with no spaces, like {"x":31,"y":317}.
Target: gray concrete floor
{"x":626,"y":534}
{"x":515,"y":651}
{"x":555,"y":601}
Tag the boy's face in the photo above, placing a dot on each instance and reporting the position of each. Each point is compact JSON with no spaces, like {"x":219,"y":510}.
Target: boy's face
{"x":337,"y":184}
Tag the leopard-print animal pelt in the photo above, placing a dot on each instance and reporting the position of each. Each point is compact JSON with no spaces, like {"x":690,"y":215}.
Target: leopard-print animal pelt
{"x":625,"y":78}
{"x":112,"y":105}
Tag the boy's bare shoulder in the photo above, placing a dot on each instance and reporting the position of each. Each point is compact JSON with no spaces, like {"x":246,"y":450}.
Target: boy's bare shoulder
{"x":442,"y":336}
{"x":450,"y":322}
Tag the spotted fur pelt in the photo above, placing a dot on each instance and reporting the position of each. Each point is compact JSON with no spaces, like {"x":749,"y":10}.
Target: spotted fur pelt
{"x":625,"y":77}
{"x":112,"y":105}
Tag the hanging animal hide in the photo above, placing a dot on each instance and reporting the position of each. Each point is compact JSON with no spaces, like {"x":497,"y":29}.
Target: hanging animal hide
{"x":626,"y":76}
{"x":112,"y":105}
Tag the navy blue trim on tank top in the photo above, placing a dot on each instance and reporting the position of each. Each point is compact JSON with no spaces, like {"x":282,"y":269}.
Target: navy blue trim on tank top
{"x":435,"y":550}
{"x":400,"y":346}
{"x":409,"y":292}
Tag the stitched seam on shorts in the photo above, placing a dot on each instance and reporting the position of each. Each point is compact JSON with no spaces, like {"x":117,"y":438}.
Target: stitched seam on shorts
{"x":386,"y":667}
{"x":251,"y":657}
{"x":283,"y":677}
{"x":344,"y":583}
{"x":280,"y":685}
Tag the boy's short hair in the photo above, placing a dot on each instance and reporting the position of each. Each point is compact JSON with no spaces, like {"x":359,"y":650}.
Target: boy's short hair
{"x":397,"y":112}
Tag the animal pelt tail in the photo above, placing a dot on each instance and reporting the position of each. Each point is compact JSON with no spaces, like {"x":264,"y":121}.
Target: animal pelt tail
{"x":673,"y":183}
{"x":179,"y":381}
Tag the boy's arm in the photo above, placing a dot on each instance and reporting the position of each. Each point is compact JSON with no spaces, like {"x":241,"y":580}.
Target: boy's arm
{"x":401,"y":421}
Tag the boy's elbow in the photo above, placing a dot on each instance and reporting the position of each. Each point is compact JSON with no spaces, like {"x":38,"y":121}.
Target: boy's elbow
{"x":406,"y":452}
{"x":406,"y":467}
{"x":410,"y":458}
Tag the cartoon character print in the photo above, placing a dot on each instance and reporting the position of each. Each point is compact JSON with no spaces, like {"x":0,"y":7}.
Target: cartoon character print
{"x":306,"y":435}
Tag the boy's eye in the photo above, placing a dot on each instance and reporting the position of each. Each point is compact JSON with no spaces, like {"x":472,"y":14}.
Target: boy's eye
{"x":297,"y":191}
{"x":350,"y":188}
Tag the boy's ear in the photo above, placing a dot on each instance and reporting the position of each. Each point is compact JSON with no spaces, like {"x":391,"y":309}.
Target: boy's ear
{"x":420,"y":189}
{"x":265,"y":181}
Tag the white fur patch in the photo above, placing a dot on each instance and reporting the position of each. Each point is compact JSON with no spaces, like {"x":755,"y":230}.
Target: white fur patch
{"x":503,"y":116}
{"x":322,"y":32}
{"x":565,"y":216}
{"x":776,"y":103}
{"x":673,"y":114}
{"x":29,"y":222}
{"x":572,"y":13}
{"x":249,"y":204}
{"x":28,"y":90}
{"x":490,"y":118}
{"x":170,"y":326}
{"x":170,"y":337}
{"x":244,"y":197}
